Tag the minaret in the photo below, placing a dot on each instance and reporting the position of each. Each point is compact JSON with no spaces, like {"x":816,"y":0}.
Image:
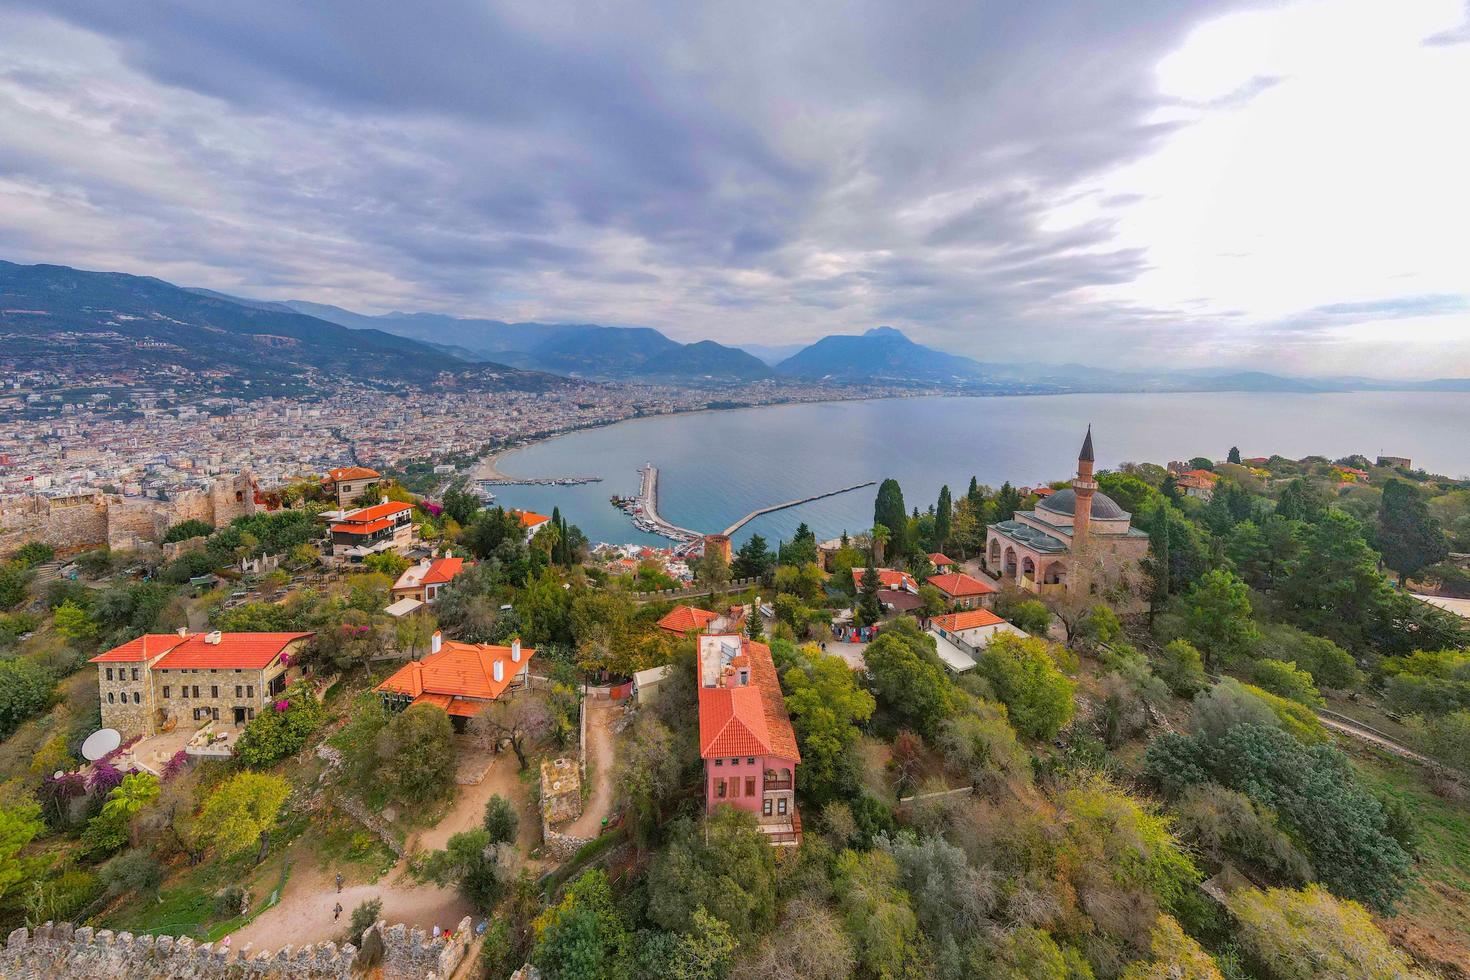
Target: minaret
{"x":1083,"y":487}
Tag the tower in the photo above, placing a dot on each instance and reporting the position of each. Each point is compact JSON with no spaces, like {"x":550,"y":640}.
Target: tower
{"x":1083,"y":488}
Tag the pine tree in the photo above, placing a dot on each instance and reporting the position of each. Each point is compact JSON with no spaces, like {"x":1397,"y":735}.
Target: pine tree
{"x":1234,"y":455}
{"x":869,"y":609}
{"x":1156,"y":565}
{"x":1006,"y":502}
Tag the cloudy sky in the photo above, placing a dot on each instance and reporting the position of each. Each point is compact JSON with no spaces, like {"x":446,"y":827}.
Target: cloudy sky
{"x":1279,"y":185}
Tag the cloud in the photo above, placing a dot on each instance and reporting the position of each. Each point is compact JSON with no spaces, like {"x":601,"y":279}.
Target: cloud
{"x":978,"y":175}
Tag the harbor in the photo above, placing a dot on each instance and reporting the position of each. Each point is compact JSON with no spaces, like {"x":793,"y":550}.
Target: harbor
{"x":643,"y":510}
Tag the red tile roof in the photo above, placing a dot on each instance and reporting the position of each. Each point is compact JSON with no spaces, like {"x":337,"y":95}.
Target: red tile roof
{"x":687,"y":619}
{"x":370,"y":527}
{"x":889,"y":578}
{"x":747,"y":719}
{"x":968,"y":620}
{"x":443,"y":570}
{"x":234,"y":651}
{"x":351,"y":473}
{"x":143,"y":648}
{"x":1043,"y":491}
{"x":529,"y":519}
{"x":458,"y":670}
{"x":940,"y":558}
{"x":376,"y":512}
{"x":960,"y":585}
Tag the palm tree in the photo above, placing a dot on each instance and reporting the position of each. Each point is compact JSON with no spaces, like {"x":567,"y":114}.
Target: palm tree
{"x":136,"y":791}
{"x":879,"y":536}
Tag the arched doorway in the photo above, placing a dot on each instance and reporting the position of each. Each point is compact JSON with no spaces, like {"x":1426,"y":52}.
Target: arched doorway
{"x":1010,"y":562}
{"x":1028,"y":568}
{"x":1054,"y":574}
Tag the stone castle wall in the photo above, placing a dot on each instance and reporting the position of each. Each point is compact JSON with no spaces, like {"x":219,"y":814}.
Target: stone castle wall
{"x":65,"y":953}
{"x":94,"y":519}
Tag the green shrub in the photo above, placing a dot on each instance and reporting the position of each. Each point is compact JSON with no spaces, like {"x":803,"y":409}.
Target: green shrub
{"x":274,"y":734}
{"x":1288,"y":681}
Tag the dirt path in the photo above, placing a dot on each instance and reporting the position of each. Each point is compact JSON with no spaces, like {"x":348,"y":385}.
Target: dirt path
{"x":304,"y":913}
{"x":1382,"y":741}
{"x":600,"y":716}
{"x":468,"y":812}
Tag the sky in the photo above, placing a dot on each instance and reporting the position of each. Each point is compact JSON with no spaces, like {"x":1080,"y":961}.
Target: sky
{"x":1145,"y":184}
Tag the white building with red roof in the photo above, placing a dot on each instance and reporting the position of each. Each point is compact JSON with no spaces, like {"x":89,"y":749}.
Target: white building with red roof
{"x":387,"y":526}
{"x":461,"y":678}
{"x":960,"y":638}
{"x":683,"y":620}
{"x":427,"y":579}
{"x":531,"y":522}
{"x":161,"y":680}
{"x":745,"y":735}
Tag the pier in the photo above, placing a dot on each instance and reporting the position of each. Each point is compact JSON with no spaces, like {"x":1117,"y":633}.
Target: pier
{"x":646,"y":516}
{"x":729,"y":531}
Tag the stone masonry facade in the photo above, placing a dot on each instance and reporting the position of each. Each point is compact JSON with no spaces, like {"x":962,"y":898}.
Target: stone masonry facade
{"x":62,"y":952}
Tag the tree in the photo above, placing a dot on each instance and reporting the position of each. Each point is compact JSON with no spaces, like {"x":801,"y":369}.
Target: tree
{"x":1233,"y":456}
{"x":1218,"y":617}
{"x":1446,"y":737}
{"x":73,"y":622}
{"x":461,"y":506}
{"x":877,"y":915}
{"x":1408,"y":537}
{"x":703,"y":953}
{"x":26,"y":688}
{"x":415,"y":750}
{"x":647,"y":778}
{"x":754,"y":628}
{"x":516,"y":719}
{"x":386,"y":563}
{"x":1006,"y":502}
{"x":809,"y":944}
{"x":981,"y":743}
{"x":1036,"y":694}
{"x":869,"y":609}
{"x":727,"y":868}
{"x":15,"y":577}
{"x":282,"y":728}
{"x":1029,"y":616}
{"x":1264,"y":552}
{"x":753,"y":559}
{"x":1335,"y":589}
{"x":20,"y":823}
{"x":1223,"y":825}
{"x":1286,"y":680}
{"x":1156,"y":563}
{"x":712,"y":571}
{"x":1301,"y":501}
{"x":136,"y":791}
{"x":584,"y":936}
{"x":943,"y":518}
{"x":363,"y":918}
{"x":241,"y":812}
{"x":1309,"y":933}
{"x":826,"y":706}
{"x":479,"y":866}
{"x":501,"y":820}
{"x":909,"y":678}
{"x":889,"y":511}
{"x":1181,"y":667}
{"x":1173,"y":954}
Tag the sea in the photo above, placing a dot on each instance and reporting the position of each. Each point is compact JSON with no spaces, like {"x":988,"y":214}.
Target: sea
{"x":715,"y":467}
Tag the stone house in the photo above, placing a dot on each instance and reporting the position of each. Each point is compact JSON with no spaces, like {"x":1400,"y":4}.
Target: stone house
{"x":347,"y":483}
{"x":964,"y":591}
{"x":164,"y":679}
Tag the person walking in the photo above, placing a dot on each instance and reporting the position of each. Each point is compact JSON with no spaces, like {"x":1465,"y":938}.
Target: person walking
{"x":339,"y":882}
{"x":337,"y":912}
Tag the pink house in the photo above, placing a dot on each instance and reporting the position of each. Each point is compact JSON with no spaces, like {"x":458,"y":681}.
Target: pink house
{"x":745,"y":736}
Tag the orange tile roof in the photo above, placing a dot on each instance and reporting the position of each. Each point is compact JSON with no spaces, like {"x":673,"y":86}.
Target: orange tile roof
{"x":529,"y":519}
{"x":1043,"y":491}
{"x":442,"y":570}
{"x":750,"y":719}
{"x":889,"y":578}
{"x":369,"y":528}
{"x":458,"y":670}
{"x":968,"y":620}
{"x":142,"y":648}
{"x":234,"y":651}
{"x":375,"y":512}
{"x":1202,"y":475}
{"x":960,"y":584}
{"x":940,"y":558}
{"x":351,"y":473}
{"x":686,"y":619}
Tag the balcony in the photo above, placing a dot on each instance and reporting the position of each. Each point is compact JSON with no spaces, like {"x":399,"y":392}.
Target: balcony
{"x":774,"y":784}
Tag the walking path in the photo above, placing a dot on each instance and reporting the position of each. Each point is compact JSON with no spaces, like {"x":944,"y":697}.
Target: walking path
{"x":791,"y":503}
{"x":600,"y":717}
{"x":1341,"y":723}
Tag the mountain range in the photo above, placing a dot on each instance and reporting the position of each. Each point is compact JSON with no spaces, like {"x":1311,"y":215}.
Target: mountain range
{"x":59,"y":312}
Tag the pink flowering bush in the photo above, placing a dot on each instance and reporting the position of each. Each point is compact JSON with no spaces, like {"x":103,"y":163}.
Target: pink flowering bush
{"x":283,"y":705}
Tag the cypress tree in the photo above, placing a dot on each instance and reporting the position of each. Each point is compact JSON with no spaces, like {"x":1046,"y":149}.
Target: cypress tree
{"x":889,"y":511}
{"x":942,"y":517}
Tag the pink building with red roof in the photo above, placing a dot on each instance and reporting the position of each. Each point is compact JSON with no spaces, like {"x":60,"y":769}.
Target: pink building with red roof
{"x":161,"y":680}
{"x":745,"y":735}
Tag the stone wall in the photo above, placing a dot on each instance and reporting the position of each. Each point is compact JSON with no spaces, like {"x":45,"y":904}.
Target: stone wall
{"x":94,"y":519}
{"x":66,"y":953}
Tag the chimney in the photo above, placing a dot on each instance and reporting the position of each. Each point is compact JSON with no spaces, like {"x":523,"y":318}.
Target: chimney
{"x":384,"y":499}
{"x":213,"y":637}
{"x":183,"y":632}
{"x":436,"y":641}
{"x":448,"y":553}
{"x":499,"y":671}
{"x":515,"y":649}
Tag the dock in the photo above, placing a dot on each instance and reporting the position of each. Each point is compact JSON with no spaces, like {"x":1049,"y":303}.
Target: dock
{"x":647,"y":517}
{"x":729,"y":531}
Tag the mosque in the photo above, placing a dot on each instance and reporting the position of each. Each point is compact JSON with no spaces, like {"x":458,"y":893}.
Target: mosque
{"x":1076,"y":542}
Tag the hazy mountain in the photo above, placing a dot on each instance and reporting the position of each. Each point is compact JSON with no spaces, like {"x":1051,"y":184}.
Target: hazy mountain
{"x":772,"y":354}
{"x":707,"y":359}
{"x":881,"y":354}
{"x":125,"y":322}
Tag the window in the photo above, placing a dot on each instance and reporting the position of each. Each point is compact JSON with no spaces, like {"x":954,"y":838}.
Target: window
{"x":109,"y":697}
{"x":214,"y":690}
{"x":239,"y":690}
{"x":734,"y":787}
{"x":135,"y":673}
{"x":109,"y":673}
{"x":165,"y":690}
{"x":750,"y":762}
{"x":781,"y":804}
{"x":214,"y":713}
{"x":183,"y":690}
{"x":719,"y":762}
{"x":734,"y":762}
{"x":250,"y":714}
{"x":196,"y":714}
{"x":137,"y":698}
{"x":749,"y":785}
{"x":766,"y":808}
{"x":196,"y":690}
{"x":720,"y":788}
{"x":250,"y":690}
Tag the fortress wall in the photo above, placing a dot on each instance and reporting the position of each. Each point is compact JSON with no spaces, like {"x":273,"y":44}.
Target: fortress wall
{"x":63,"y":952}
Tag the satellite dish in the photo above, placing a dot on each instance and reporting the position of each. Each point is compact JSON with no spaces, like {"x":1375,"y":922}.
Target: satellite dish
{"x":99,"y":743}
